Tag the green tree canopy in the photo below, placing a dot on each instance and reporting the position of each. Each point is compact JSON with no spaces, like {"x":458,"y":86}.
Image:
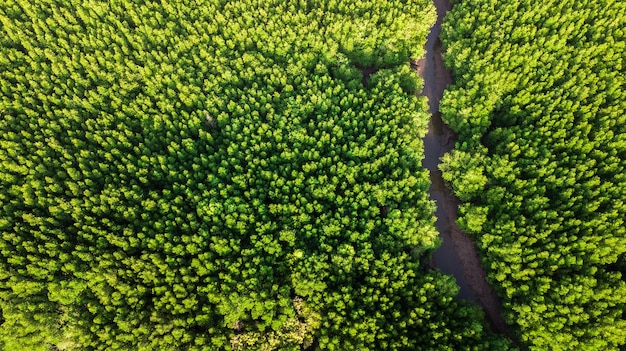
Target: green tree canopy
{"x":538,"y":104}
{"x":215,"y":176}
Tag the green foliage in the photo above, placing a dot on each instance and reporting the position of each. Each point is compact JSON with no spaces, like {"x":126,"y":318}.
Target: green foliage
{"x":538,"y":103}
{"x":293,"y":334}
{"x":215,"y":176}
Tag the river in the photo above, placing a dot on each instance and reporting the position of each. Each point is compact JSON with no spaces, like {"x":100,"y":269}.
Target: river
{"x":457,"y":255}
{"x":437,"y":142}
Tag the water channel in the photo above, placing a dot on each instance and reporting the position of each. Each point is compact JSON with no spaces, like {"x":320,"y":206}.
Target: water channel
{"x":437,"y":142}
{"x":458,"y":255}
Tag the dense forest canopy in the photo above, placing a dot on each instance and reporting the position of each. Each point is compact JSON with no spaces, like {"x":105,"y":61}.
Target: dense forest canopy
{"x":538,"y":103}
{"x":218,"y":176}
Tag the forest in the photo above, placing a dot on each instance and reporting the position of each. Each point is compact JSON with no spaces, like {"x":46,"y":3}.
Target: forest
{"x":227,"y":175}
{"x":538,"y":104}
{"x":247,"y":175}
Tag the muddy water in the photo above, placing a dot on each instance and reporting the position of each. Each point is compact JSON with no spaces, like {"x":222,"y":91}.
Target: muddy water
{"x":458,"y":255}
{"x":437,"y":142}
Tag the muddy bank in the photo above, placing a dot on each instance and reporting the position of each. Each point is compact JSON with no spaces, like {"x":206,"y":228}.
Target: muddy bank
{"x":458,"y":255}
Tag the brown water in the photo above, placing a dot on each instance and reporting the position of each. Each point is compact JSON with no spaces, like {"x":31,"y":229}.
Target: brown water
{"x":458,"y":255}
{"x":437,"y":142}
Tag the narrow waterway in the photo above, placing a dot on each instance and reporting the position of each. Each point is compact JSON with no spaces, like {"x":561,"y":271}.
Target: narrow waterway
{"x":458,"y":255}
{"x":437,"y":142}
